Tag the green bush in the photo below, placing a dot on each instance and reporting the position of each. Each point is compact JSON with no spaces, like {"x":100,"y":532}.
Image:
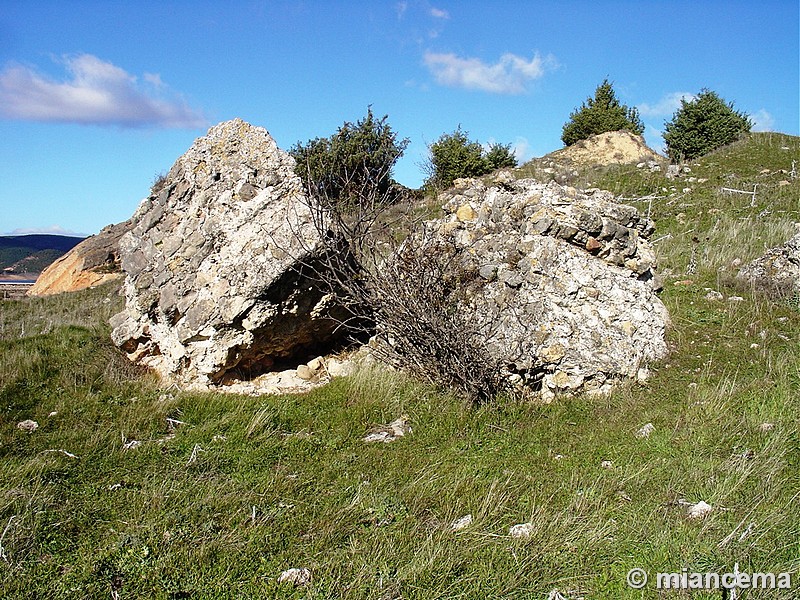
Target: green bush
{"x":600,"y":114}
{"x":500,"y":156}
{"x":454,"y":155}
{"x":354,"y":162}
{"x":703,"y":124}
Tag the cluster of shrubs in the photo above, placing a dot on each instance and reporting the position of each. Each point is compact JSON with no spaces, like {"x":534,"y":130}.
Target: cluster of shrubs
{"x":362,"y":155}
{"x":399,"y":287}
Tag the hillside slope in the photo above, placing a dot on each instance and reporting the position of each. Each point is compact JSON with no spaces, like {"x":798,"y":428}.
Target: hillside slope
{"x":131,"y":491}
{"x":33,"y":253}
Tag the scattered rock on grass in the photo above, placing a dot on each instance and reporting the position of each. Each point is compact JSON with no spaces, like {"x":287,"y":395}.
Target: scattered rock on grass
{"x":521,"y":530}
{"x":389,"y":433}
{"x":297,"y":577}
{"x":645,"y":430}
{"x":28,"y":425}
{"x":461,"y":523}
{"x":765,"y":427}
{"x":339,"y":368}
{"x":700,"y":510}
{"x":607,"y":464}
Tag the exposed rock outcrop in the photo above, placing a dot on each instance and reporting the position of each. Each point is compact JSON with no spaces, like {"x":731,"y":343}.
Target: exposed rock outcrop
{"x":778,"y":271}
{"x":218,"y":286}
{"x":92,"y":262}
{"x":612,"y":147}
{"x":567,"y":281}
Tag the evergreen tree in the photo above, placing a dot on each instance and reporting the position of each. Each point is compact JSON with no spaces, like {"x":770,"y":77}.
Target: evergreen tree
{"x":600,"y":114}
{"x":703,"y":124}
{"x":356,"y":160}
{"x":454,"y":155}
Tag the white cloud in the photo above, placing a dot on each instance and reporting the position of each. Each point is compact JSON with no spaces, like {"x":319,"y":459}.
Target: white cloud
{"x":762,"y":121}
{"x":522,"y":150}
{"x":96,"y":92}
{"x":507,"y":76}
{"x":52,"y":230}
{"x":439,"y":13}
{"x":665,"y":107}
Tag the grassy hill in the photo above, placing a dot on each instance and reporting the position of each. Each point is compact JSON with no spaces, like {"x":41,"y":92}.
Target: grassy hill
{"x":33,"y":253}
{"x":222,"y":493}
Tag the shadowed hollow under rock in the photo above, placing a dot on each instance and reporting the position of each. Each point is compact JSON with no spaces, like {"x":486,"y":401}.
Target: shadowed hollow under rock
{"x":218,"y":284}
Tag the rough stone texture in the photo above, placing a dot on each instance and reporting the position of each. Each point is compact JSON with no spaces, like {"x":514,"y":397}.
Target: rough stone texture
{"x":613,"y":147}
{"x":92,"y":262}
{"x":564,"y":281}
{"x":777,"y":271}
{"x":217,"y":287}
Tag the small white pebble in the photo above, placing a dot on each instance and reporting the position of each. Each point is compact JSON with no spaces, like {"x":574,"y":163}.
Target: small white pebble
{"x":297,"y":577}
{"x":735,"y":299}
{"x":132,"y":445}
{"x":754,"y":346}
{"x":461,"y":523}
{"x":521,"y":530}
{"x":53,"y":414}
{"x":645,"y":430}
{"x":607,"y":464}
{"x":700,"y":510}
{"x":765,"y":427}
{"x":28,"y":425}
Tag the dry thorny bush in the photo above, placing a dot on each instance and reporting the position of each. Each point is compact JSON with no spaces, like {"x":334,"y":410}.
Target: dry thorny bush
{"x":405,"y":287}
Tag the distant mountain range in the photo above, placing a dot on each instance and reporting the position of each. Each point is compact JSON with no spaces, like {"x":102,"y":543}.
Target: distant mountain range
{"x":32,"y":254}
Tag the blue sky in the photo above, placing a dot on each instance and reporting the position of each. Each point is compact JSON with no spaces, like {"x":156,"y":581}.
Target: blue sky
{"x":96,"y":98}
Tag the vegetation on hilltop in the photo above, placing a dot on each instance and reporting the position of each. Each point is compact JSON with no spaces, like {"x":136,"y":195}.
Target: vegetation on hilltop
{"x":454,"y":156}
{"x":600,"y":114}
{"x":703,"y":124}
{"x":223,"y":492}
{"x":33,"y":253}
{"x":354,"y":163}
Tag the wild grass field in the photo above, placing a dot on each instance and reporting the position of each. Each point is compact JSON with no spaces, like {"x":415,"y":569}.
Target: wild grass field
{"x":127,"y":490}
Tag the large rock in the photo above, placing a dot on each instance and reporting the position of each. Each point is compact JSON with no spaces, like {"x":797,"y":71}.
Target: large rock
{"x":778,"y":271}
{"x":566,"y":281}
{"x":92,"y":262}
{"x":220,"y":263}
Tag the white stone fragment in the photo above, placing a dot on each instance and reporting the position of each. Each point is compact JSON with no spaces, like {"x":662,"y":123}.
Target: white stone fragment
{"x":521,"y":530}
{"x":461,"y":523}
{"x":699,"y":510}
{"x":295,"y":576}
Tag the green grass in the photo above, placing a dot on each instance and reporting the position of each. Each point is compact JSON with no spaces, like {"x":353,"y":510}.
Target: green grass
{"x":247,"y":487}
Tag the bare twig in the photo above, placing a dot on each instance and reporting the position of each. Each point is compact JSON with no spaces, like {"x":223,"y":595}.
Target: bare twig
{"x":64,"y":452}
{"x":3,"y":553}
{"x":396,"y":280}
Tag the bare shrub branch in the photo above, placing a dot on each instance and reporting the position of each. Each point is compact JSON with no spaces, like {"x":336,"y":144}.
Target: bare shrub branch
{"x":404,"y":286}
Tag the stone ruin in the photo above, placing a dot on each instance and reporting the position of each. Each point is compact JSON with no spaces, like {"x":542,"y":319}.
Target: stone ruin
{"x":777,"y":272}
{"x":217,"y":286}
{"x":569,"y":290}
